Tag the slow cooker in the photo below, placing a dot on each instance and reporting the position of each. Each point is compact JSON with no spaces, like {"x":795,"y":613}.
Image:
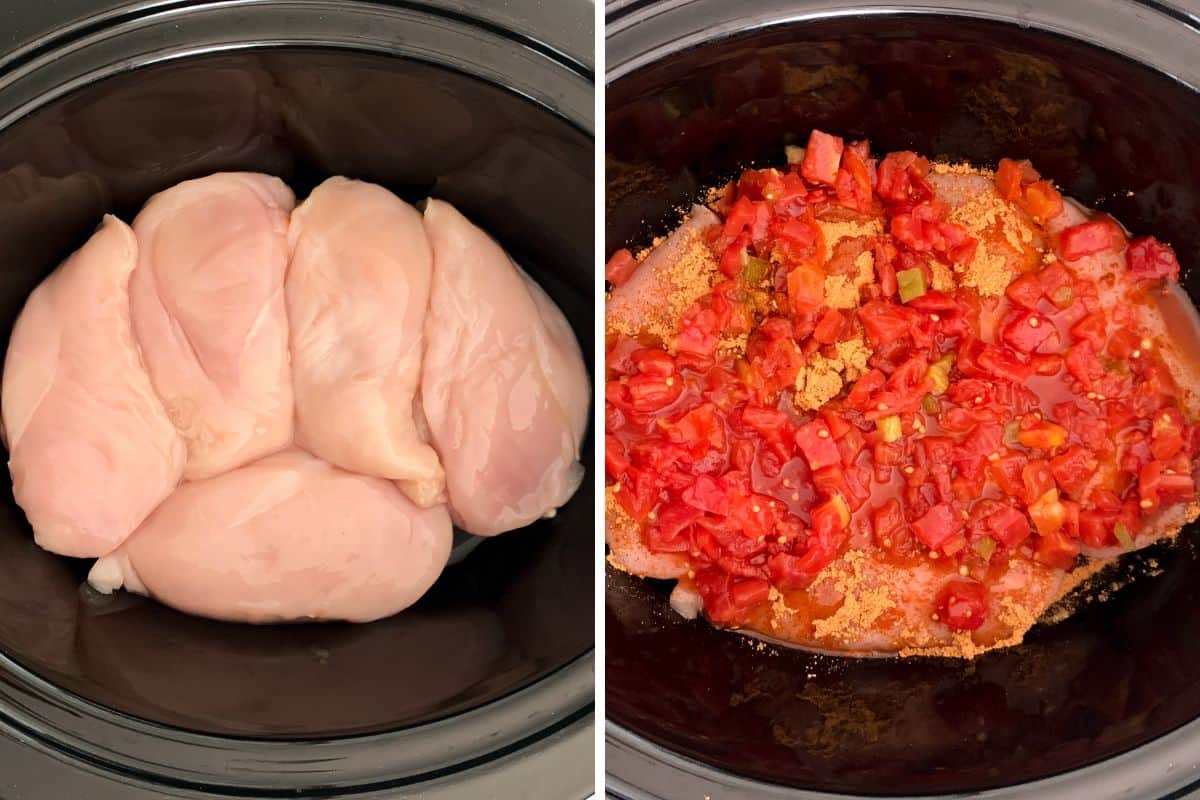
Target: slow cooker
{"x":485,"y":688}
{"x":1104,"y":96}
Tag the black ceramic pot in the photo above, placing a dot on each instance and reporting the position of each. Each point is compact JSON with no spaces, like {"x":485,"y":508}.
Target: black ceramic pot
{"x":488,"y":681}
{"x":1102,"y":94}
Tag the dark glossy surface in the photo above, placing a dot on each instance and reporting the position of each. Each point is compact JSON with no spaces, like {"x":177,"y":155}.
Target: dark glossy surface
{"x":519,"y":607}
{"x":1115,"y":675}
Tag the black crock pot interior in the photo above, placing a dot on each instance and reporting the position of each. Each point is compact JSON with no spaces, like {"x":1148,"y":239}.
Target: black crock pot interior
{"x":519,"y":607}
{"x":1113,"y":134}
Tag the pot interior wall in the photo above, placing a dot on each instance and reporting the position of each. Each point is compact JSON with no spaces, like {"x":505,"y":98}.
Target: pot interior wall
{"x":1112,"y":134}
{"x":516,"y":609}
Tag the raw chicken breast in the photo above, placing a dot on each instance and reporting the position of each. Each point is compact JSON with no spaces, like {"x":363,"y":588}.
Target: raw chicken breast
{"x":504,"y":388}
{"x":208,"y":311}
{"x":288,"y":537}
{"x":627,"y":549}
{"x":357,"y":292}
{"x":91,"y":449}
{"x":675,"y":274}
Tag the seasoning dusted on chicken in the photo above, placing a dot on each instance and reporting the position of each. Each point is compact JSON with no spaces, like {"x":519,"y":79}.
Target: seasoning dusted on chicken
{"x":208,"y":311}
{"x":92,"y":451}
{"x":288,"y":537}
{"x":504,"y":388}
{"x":357,"y":292}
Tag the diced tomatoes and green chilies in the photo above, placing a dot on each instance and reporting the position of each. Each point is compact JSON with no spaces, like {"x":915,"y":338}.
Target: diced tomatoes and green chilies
{"x":1034,"y":424}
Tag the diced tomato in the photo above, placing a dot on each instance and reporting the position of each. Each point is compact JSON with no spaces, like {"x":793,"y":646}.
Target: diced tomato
{"x":1082,"y":362}
{"x":962,"y":605}
{"x":1037,"y":479}
{"x":1028,"y":331}
{"x":775,"y":364}
{"x":1096,"y":527}
{"x":1044,"y":436}
{"x":1041,"y":201}
{"x":1124,"y":343}
{"x":1058,"y":285}
{"x":652,"y":392}
{"x":772,"y":425}
{"x":1056,"y":549}
{"x":1157,"y":486}
{"x":822,"y":158}
{"x":850,"y":445}
{"x":671,"y":523}
{"x":741,"y":215}
{"x":1157,"y":380}
{"x":884,"y":322}
{"x":864,"y":387}
{"x":638,"y":493}
{"x":1086,"y":238}
{"x":701,"y":430}
{"x":1073,"y":469}
{"x":817,"y":445}
{"x":652,"y":361}
{"x":853,"y":184}
{"x":793,"y":572}
{"x":620,"y":267}
{"x":1008,"y":526}
{"x":1025,"y":291}
{"x":1046,"y":364}
{"x":707,"y":494}
{"x":1006,"y":472}
{"x":749,"y":592}
{"x":1011,"y":177}
{"x":885,"y":268}
{"x":1150,"y":260}
{"x":1003,"y":363}
{"x":838,"y":426}
{"x":798,"y":239}
{"x":829,"y":328}
{"x":1167,"y":431}
{"x":616,"y":460}
{"x":887,"y":523}
{"x":830,"y":517}
{"x":696,"y":341}
{"x":830,"y":480}
{"x":714,"y":587}
{"x":806,"y":287}
{"x":937,"y":525}
{"x":901,"y":178}
{"x":1091,"y":329}
{"x":733,"y":259}
{"x":1047,"y":513}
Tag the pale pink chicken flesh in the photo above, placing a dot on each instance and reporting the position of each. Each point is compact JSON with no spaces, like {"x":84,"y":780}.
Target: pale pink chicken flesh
{"x":504,"y":387}
{"x":209,"y":313}
{"x":288,"y":537}
{"x":357,"y":292}
{"x":92,"y":451}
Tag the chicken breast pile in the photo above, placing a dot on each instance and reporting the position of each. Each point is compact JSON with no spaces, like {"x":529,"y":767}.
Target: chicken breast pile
{"x":258,"y":412}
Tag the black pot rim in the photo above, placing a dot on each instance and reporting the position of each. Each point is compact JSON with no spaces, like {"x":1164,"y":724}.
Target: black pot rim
{"x":553,"y":716}
{"x":1160,"y":35}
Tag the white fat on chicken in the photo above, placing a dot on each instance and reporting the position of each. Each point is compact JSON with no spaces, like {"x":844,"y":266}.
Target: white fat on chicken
{"x":92,"y":451}
{"x":504,"y":387}
{"x":286,"y":538}
{"x":208,"y":312}
{"x":357,"y":292}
